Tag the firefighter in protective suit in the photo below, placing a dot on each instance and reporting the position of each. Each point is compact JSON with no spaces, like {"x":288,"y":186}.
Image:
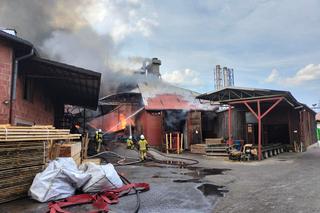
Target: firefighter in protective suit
{"x":143,"y":147}
{"x":130,"y":144}
{"x":98,"y":138}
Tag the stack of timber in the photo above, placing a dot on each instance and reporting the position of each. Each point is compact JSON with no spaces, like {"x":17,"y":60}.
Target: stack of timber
{"x":71,"y":150}
{"x":198,"y":148}
{"x":216,"y":147}
{"x":34,"y":133}
{"x":24,"y":153}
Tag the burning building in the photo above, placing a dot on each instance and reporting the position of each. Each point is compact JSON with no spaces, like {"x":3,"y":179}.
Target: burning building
{"x":155,"y":108}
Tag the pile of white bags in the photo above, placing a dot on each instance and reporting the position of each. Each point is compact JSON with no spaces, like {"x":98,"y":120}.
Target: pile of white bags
{"x":59,"y":180}
{"x":62,"y":177}
{"x":103,"y":177}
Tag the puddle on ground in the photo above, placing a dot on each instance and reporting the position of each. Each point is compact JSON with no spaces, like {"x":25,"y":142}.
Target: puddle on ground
{"x":208,"y":189}
{"x":194,"y":180}
{"x":199,"y":172}
{"x":159,"y":176}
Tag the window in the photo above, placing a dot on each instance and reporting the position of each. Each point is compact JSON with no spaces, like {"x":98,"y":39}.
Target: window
{"x":28,"y":89}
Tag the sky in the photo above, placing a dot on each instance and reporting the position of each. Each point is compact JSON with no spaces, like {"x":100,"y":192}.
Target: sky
{"x":270,"y":44}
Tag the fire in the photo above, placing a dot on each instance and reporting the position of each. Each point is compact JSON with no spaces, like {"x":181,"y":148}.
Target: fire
{"x":123,"y":121}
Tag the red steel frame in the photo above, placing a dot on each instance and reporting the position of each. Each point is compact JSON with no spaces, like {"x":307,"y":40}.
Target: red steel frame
{"x":258,"y":115}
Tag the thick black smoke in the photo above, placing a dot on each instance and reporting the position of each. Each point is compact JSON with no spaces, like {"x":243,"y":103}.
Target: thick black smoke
{"x":60,"y":32}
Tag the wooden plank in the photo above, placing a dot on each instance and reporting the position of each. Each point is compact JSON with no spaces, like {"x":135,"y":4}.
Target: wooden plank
{"x":70,"y":137}
{"x":12,"y":177}
{"x":92,"y":160}
{"x":8,"y":126}
{"x":211,"y":141}
{"x":70,"y":149}
{"x":13,"y":193}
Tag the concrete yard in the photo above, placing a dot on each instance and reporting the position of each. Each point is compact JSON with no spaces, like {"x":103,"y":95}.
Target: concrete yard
{"x":285,"y":183}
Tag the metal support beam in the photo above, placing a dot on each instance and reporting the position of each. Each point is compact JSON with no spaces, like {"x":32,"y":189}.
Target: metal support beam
{"x":259,"y":131}
{"x":273,"y":106}
{"x":229,"y":126}
{"x":259,"y":116}
{"x":251,"y":110}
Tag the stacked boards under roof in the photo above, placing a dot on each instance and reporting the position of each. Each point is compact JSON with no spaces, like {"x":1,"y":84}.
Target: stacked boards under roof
{"x":23,"y":153}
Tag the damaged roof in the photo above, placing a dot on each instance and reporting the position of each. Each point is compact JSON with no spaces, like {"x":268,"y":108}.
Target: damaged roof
{"x":164,"y":96}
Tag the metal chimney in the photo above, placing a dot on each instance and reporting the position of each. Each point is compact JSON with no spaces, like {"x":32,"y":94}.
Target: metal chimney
{"x":154,"y":67}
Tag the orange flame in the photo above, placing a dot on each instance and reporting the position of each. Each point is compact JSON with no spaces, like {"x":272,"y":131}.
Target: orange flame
{"x":123,"y":121}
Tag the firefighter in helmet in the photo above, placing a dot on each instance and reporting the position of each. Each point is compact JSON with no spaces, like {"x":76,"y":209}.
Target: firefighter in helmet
{"x":98,"y":138}
{"x":130,"y":144}
{"x":143,"y":147}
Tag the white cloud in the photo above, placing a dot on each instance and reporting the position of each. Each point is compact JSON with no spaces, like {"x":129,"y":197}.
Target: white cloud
{"x":119,"y":18}
{"x":311,"y":72}
{"x":185,"y":77}
{"x":273,"y":77}
{"x":306,"y":75}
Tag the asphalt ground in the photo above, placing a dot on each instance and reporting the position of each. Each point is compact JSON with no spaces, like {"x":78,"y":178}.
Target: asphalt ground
{"x":284,"y":183}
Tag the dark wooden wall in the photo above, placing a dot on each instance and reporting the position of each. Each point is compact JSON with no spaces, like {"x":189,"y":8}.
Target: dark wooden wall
{"x":238,"y":124}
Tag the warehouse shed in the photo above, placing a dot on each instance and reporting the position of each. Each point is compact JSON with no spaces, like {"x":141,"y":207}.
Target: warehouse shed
{"x":264,"y":118}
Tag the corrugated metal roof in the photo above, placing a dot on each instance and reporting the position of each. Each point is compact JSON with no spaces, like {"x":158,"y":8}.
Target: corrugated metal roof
{"x":230,"y":94}
{"x":164,"y":96}
{"x":70,"y":84}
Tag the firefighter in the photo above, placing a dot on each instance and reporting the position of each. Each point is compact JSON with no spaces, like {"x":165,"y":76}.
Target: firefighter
{"x":130,"y":144}
{"x":143,"y":147}
{"x":98,"y":138}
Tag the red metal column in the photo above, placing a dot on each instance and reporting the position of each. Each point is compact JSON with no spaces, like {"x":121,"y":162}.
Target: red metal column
{"x":229,"y":126}
{"x":259,"y":130}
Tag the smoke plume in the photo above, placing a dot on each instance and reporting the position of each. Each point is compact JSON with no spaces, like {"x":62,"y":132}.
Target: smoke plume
{"x":86,"y":33}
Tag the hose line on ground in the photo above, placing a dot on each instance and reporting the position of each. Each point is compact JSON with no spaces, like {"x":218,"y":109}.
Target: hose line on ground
{"x":194,"y":162}
{"x":126,"y":181}
{"x":120,"y":162}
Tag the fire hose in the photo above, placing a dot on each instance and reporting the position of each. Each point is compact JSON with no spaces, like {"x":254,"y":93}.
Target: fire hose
{"x":152,"y":157}
{"x":100,"y":200}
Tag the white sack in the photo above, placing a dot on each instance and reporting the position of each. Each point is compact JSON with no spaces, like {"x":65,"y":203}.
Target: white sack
{"x":103,"y":177}
{"x":59,"y":180}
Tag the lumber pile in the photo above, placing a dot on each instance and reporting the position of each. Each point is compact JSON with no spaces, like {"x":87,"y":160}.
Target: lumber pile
{"x":34,"y":133}
{"x":24,"y":151}
{"x":71,"y":150}
{"x":198,"y":148}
